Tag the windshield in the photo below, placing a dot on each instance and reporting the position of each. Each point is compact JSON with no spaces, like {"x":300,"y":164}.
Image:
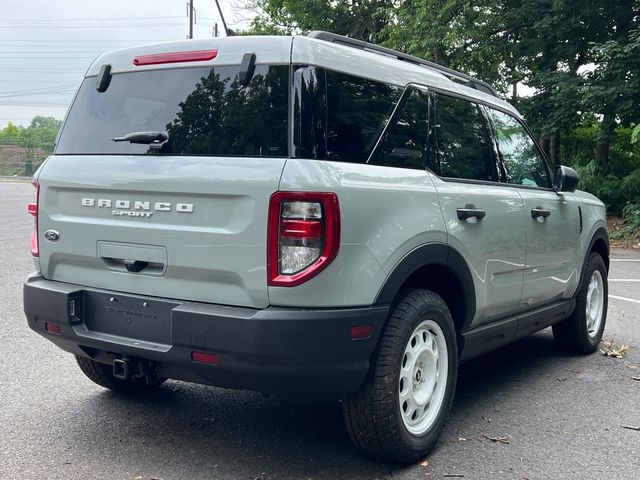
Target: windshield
{"x":204,"y":111}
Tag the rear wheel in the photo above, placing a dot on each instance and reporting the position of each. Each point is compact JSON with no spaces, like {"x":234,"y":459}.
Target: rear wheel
{"x":582,"y":331}
{"x":102,"y":374}
{"x":400,"y":410}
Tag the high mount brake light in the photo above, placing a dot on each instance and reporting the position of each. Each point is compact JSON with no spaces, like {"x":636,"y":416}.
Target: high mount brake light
{"x":32,"y":208}
{"x":175,"y":57}
{"x":303,"y":236}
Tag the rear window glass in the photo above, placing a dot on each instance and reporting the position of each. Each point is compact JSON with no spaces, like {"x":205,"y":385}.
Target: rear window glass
{"x":204,"y":111}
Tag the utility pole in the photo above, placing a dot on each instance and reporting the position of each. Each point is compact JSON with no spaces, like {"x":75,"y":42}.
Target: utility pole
{"x":227,"y":32}
{"x":190,"y":7}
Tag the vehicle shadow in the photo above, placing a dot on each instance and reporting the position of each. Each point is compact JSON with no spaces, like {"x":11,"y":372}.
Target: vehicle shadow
{"x":190,"y":431}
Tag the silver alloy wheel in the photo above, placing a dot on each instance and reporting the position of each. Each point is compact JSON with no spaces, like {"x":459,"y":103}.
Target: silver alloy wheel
{"x":423,"y":377}
{"x":595,"y":303}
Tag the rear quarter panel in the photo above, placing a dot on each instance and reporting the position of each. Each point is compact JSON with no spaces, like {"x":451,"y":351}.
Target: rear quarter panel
{"x":385,"y":213}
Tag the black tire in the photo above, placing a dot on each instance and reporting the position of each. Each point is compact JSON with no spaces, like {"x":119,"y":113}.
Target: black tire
{"x":573,"y":335}
{"x":102,"y":374}
{"x":373,"y":416}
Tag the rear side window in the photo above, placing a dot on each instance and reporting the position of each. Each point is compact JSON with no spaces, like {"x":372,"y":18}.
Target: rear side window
{"x":522,"y":159}
{"x":357,"y":111}
{"x":337,"y":116}
{"x":405,"y":143}
{"x":204,"y":110}
{"x":462,"y":148}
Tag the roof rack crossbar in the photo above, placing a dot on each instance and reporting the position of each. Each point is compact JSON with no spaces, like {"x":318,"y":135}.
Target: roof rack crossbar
{"x":352,"y":42}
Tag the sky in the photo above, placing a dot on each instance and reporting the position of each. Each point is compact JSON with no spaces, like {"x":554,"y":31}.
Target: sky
{"x":46,"y":46}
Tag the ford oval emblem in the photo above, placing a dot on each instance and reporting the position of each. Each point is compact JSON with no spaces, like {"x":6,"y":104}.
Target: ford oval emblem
{"x":51,"y":235}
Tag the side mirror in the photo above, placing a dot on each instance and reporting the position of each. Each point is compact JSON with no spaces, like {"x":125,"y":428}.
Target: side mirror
{"x":566,"y":179}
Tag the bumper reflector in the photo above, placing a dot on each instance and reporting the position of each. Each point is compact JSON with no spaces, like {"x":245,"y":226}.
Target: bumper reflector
{"x":361,"y":331}
{"x":53,"y":328}
{"x":203,"y":357}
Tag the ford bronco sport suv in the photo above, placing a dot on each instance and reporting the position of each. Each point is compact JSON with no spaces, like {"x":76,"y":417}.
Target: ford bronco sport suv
{"x":313,"y":217}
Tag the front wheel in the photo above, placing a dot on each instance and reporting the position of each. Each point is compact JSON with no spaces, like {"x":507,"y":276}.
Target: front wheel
{"x":582,"y":331}
{"x":398,"y":413}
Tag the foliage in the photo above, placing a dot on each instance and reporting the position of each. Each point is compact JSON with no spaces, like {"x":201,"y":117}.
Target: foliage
{"x":629,"y":233}
{"x":35,"y":141}
{"x":635,"y":134}
{"x":363,"y":19}
{"x":631,"y":186}
{"x":10,"y":134}
{"x":606,"y":188}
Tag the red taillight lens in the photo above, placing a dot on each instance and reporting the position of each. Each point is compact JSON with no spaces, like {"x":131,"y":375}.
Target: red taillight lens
{"x":303,"y":236}
{"x":175,"y":57}
{"x":32,"y":208}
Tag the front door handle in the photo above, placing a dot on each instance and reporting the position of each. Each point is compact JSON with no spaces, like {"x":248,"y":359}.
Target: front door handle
{"x":539,"y":212}
{"x":470,"y":211}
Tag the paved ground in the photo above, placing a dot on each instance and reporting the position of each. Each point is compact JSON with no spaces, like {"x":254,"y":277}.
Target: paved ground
{"x":564,"y":414}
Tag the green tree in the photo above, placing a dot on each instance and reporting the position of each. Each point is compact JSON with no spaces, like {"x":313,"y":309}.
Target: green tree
{"x":358,"y":19}
{"x":10,"y":134}
{"x":38,"y":137}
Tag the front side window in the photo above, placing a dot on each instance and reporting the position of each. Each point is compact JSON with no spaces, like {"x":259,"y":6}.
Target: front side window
{"x":405,"y":143}
{"x":522,"y":159}
{"x":204,"y":111}
{"x":462,"y":148}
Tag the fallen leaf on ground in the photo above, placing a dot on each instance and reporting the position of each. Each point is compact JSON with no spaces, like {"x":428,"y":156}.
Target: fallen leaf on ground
{"x":631,"y":427}
{"x":462,"y":439}
{"x":425,"y":463}
{"x":633,"y":367}
{"x":613,"y":350}
{"x":500,"y":439}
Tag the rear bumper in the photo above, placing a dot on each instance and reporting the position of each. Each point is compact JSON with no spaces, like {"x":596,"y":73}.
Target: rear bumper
{"x":306,"y":354}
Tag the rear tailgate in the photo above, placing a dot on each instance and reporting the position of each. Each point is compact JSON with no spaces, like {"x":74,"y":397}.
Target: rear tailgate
{"x":183,"y":215}
{"x":199,"y":223}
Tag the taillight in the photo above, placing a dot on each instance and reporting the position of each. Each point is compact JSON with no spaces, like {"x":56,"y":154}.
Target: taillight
{"x":303,"y":236}
{"x":32,"y":208}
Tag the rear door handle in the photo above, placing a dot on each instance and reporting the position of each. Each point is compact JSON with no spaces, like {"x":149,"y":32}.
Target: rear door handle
{"x":539,"y":212}
{"x":470,"y":211}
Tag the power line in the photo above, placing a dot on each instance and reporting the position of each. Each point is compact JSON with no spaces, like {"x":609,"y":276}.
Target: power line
{"x":132,"y":25}
{"x":65,"y":20}
{"x":34,"y":104}
{"x":86,"y":41}
{"x":42,"y":90}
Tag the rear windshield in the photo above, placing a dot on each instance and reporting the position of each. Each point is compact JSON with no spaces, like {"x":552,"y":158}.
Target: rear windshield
{"x":204,"y":111}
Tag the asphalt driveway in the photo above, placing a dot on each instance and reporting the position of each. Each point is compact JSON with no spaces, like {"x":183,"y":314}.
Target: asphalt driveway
{"x":560,"y":416}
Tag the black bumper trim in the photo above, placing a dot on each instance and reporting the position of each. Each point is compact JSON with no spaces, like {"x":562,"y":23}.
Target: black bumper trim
{"x":306,"y":354}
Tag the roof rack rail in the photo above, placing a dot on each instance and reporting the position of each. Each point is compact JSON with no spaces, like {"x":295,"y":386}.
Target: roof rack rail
{"x":453,"y":74}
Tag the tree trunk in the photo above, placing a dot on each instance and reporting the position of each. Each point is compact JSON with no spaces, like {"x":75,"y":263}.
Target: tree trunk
{"x":438,"y":54}
{"x":603,"y":142}
{"x":554,"y":149}
{"x":545,"y":144}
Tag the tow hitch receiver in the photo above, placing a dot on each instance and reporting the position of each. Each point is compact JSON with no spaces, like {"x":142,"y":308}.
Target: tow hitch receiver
{"x":121,"y":369}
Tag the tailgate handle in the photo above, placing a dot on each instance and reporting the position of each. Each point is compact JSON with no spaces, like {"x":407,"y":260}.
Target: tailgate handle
{"x":135,"y":266}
